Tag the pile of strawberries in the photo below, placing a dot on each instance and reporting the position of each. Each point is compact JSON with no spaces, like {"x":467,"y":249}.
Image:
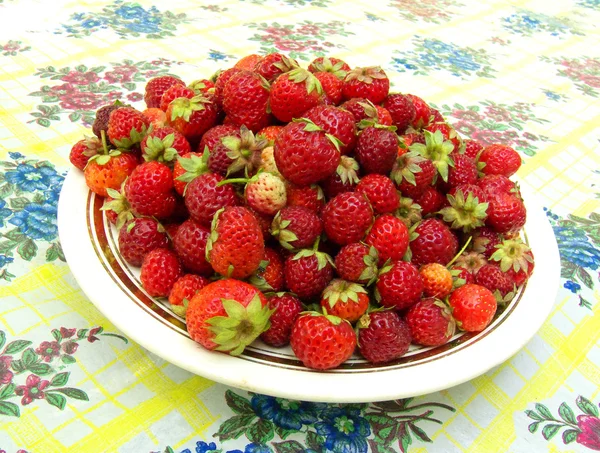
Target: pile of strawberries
{"x":309,"y":207}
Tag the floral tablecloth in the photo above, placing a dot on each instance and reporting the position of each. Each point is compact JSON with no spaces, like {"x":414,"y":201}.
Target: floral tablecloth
{"x":525,"y":73}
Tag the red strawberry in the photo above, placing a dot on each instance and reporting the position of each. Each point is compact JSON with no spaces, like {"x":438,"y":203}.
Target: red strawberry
{"x":310,"y":197}
{"x":237,"y":153}
{"x":204,"y":197}
{"x":431,"y":200}
{"x":357,"y":262}
{"x":413,"y":174}
{"x":473,"y":307}
{"x":140,"y":236}
{"x":109,"y":171}
{"x":249,"y":62}
{"x":347,"y":217}
{"x":500,"y":160}
{"x":287,"y":308}
{"x":164,"y":144}
{"x":222,"y":79}
{"x":464,"y":170}
{"x":156,"y":87}
{"x":402,"y":111}
{"x":329,"y":64}
{"x":383,"y":336}
{"x":322,"y":342}
{"x":269,"y":276}
{"x":102,"y":116}
{"x":346,"y":300}
{"x":361,"y":109}
{"x":304,"y":154}
{"x":344,"y":179}
{"x":337,"y":122}
{"x":192,"y":117}
{"x":437,"y":149}
{"x":156,"y":117}
{"x":430,"y":322}
{"x":187,"y":168}
{"x":399,"y":285}
{"x":149,"y":190}
{"x":436,"y":116}
{"x":381,"y":193}
{"x":435,"y":243}
{"x":184,"y":289}
{"x":506,"y":213}
{"x":515,"y":258}
{"x":227,"y":315}
{"x":472,"y":148}
{"x":235,"y":246}
{"x":175,"y":92}
{"x":331,"y":86}
{"x":160,"y":270}
{"x":462,"y":274}
{"x":377,"y":149}
{"x":245,"y":100}
{"x":215,"y":135}
{"x":422,"y":112}
{"x":273,"y":65}
{"x":82,"y":151}
{"x":296,"y":227}
{"x":202,"y":86}
{"x":369,"y":83}
{"x":189,"y":243}
{"x":437,"y":280}
{"x":499,"y":283}
{"x":495,"y":184}
{"x":269,"y":133}
{"x":389,"y":235}
{"x":293,"y":93}
{"x":307,"y":273}
{"x":485,"y":241}
{"x":126,"y":127}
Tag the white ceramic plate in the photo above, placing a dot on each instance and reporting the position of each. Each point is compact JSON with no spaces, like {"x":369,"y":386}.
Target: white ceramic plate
{"x":90,"y":246}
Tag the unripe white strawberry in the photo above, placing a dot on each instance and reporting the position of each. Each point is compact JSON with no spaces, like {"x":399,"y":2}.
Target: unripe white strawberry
{"x":266,"y":193}
{"x":268,"y":161}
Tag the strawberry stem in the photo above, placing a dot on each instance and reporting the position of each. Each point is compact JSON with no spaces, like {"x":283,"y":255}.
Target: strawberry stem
{"x":233,"y":181}
{"x":459,"y":253}
{"x":104,"y":145}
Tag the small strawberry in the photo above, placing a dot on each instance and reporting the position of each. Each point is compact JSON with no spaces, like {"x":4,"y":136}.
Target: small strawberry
{"x":500,"y":284}
{"x":156,"y":117}
{"x":273,"y":65}
{"x":189,"y":242}
{"x":235,"y":246}
{"x":310,"y":197}
{"x":308,"y":272}
{"x":269,"y":133}
{"x":264,"y":192}
{"x":321,"y":341}
{"x":399,"y":285}
{"x":437,"y":280}
{"x":413,"y":174}
{"x":175,"y":92}
{"x":108,"y":171}
{"x":347,"y":217}
{"x":227,"y":315}
{"x":337,"y":122}
{"x":430,"y":322}
{"x":515,"y":258}
{"x":335,"y":66}
{"x":473,"y":307}
{"x":245,"y":100}
{"x":369,"y":83}
{"x":462,"y":274}
{"x":346,"y":300}
{"x":381,"y":193}
{"x":249,"y":62}
{"x":434,"y":243}
{"x":140,"y":236}
{"x":156,"y":87}
{"x":164,"y":144}
{"x":126,"y":127}
{"x":269,"y":275}
{"x":296,"y":227}
{"x":204,"y":197}
{"x":500,"y":160}
{"x":187,"y":168}
{"x":293,"y":93}
{"x":84,"y":149}
{"x":506,"y":213}
{"x":377,"y":149}
{"x":465,"y":212}
{"x":160,"y":270}
{"x":192,"y":117}
{"x":343,"y":180}
{"x":357,"y":263}
{"x":430,"y":201}
{"x":389,"y":235}
{"x":286,"y":308}
{"x":464,"y":170}
{"x":331,"y":86}
{"x":401,"y":109}
{"x":485,"y":241}
{"x":184,"y":289}
{"x":422,"y":112}
{"x":472,"y":148}
{"x":102,"y":116}
{"x":149,"y":190}
{"x":383,"y":336}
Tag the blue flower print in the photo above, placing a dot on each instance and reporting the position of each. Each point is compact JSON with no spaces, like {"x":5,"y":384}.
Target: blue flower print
{"x":572,"y":286}
{"x":37,"y":221}
{"x":91,"y":23}
{"x":344,"y":429}
{"x":438,"y":46}
{"x":257,"y":448}
{"x":4,"y":212}
{"x":16,"y":156}
{"x":286,"y":414}
{"x":130,"y":12}
{"x":575,"y":247}
{"x":463,"y":60}
{"x":29,"y":178}
{"x":4,"y":260}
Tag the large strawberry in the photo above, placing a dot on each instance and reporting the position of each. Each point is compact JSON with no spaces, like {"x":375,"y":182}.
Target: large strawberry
{"x":149,"y":190}
{"x":357,"y":262}
{"x":430,"y":322}
{"x":235,"y":246}
{"x":377,"y":149}
{"x":156,"y":87}
{"x":193,"y":116}
{"x":344,"y":299}
{"x":245,"y":99}
{"x":473,"y":307}
{"x":308,"y":272}
{"x":506,"y":213}
{"x":500,"y":160}
{"x":204,"y":196}
{"x":401,"y":109}
{"x":296,"y":227}
{"x":293,"y":93}
{"x":140,"y":236}
{"x":369,"y":83}
{"x":399,"y":285}
{"x":389,"y":235}
{"x":383,"y":336}
{"x":337,"y":122}
{"x":434,"y":243}
{"x":189,"y":243}
{"x":381,"y":193}
{"x":126,"y":127}
{"x":347,"y":217}
{"x":227,"y":315}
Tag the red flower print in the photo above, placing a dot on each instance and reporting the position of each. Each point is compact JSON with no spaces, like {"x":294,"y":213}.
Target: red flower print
{"x":465,"y":128}
{"x":590,"y":80}
{"x":67,"y":333}
{"x":134,"y":97}
{"x":92,"y":334}
{"x":497,"y":114}
{"x":80,"y":101}
{"x":328,"y":44}
{"x":80,"y":78}
{"x":308,"y":30}
{"x":60,"y":90}
{"x":467,"y":115}
{"x":274,"y":32}
{"x":590,"y":431}
{"x":487,"y":137}
{"x":48,"y":350}
{"x":290,"y":45}
{"x":33,"y":389}
{"x":70,"y":347}
{"x":5,"y":374}
{"x":113,"y":95}
{"x":121,"y":74}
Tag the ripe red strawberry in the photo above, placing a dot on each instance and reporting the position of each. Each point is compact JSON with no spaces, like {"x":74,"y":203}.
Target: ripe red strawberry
{"x":499,"y":283}
{"x":464,"y":170}
{"x":329,"y":64}
{"x":174,"y":92}
{"x":204,"y":197}
{"x":293,"y":93}
{"x":462,"y":274}
{"x":344,"y":179}
{"x":435,"y":243}
{"x":249,"y":62}
{"x":102,"y":116}
{"x":287,"y":308}
{"x":377,"y":149}
{"x":485,"y":241}
{"x":227,"y":315}
{"x":296,"y":227}
{"x":84,"y":149}
{"x":431,"y":200}
{"x":347,"y":217}
{"x":381,"y":193}
{"x":401,"y":109}
{"x":437,"y":280}
{"x":140,"y":236}
{"x":156,"y":117}
{"x":422,"y":112}
{"x":164,"y":144}
{"x":357,"y":262}
{"x":269,"y":276}
{"x":495,"y":184}
{"x":472,"y":148}
{"x":346,"y":300}
{"x":264,"y":221}
{"x":430,"y":322}
{"x":239,"y":152}
{"x":184,"y":289}
{"x":500,"y":160}
{"x":215,"y":135}
{"x":337,"y":122}
{"x":369,"y":83}
{"x":187,"y":168}
{"x":269,"y":133}
{"x":235,"y":246}
{"x":202,"y":86}
{"x":156,"y":87}
{"x":310,"y":197}
{"x":473,"y":307}
{"x":437,"y":149}
{"x":515,"y":258}
{"x":413,"y":174}
{"x":189,"y":242}
{"x":383,"y":336}
{"x":331,"y":86}
{"x":389,"y":235}
{"x":108,"y":171}
{"x":192,"y":117}
{"x":149,"y":190}
{"x":321,"y":341}
{"x":160,"y":270}
{"x":222,"y":79}
{"x":506,"y":213}
{"x":273,"y":65}
{"x":307,"y":273}
{"x":126,"y":127}
{"x":361,"y":109}
{"x":245,"y":100}
{"x":399,"y":285}
{"x":304,"y":154}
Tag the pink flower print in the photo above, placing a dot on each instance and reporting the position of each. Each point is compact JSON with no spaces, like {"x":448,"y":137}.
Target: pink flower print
{"x":497,"y":114}
{"x":80,"y":78}
{"x":48,"y":350}
{"x":467,"y":115}
{"x":60,"y":90}
{"x":590,"y":80}
{"x":274,"y":32}
{"x":5,"y":374}
{"x":70,"y":347}
{"x":33,"y":389}
{"x":308,"y":30}
{"x":590,"y":431}
{"x":465,"y":128}
{"x":134,"y":97}
{"x":488,"y":137}
{"x":289,"y":45}
{"x":67,"y":333}
{"x":80,"y":101}
{"x":92,"y":334}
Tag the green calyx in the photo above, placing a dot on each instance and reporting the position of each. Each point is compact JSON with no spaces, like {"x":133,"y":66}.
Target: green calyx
{"x":335,"y":320}
{"x":406,"y":166}
{"x":241,"y":326}
{"x":408,"y":211}
{"x":245,"y":151}
{"x":280,"y":231}
{"x":214,"y":235}
{"x":322,"y":258}
{"x":134,"y":138}
{"x":160,"y":150}
{"x":326,"y":65}
{"x":180,"y":310}
{"x":464,"y":214}
{"x":348,"y":170}
{"x":184,"y":107}
{"x":367,"y":75}
{"x":286,"y":64}
{"x":471,"y":261}
{"x":103,"y":153}
{"x":513,"y":253}
{"x":437,"y":150}
{"x":342,"y":291}
{"x":194,"y":166}
{"x":257,"y":278}
{"x":369,"y":273}
{"x":300,"y":75}
{"x":199,"y":86}
{"x":120,"y":205}
{"x":447,"y":313}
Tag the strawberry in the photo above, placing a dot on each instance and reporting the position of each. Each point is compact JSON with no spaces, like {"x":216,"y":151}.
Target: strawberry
{"x":347,"y":217}
{"x":156,"y":87}
{"x":506,"y":213}
{"x":310,"y":197}
{"x":269,"y":133}
{"x":249,"y":62}
{"x":202,"y":86}
{"x":401,"y":109}
{"x":430,"y":201}
{"x":472,"y":148}
{"x":337,"y":67}
{"x":267,"y":161}
{"x":495,"y":184}
{"x":381,"y":193}
{"x":156,"y":117}
{"x":409,"y":212}
{"x":189,"y":242}
{"x":471,"y":261}
{"x":500,"y":160}
{"x":293,"y":93}
{"x":286,"y":308}
{"x":227,"y":315}
{"x":389,"y":235}
{"x":235,"y":246}
{"x":175,"y":92}
{"x":377,"y":149}
{"x":437,"y":280}
{"x":296,"y":227}
{"x":464,"y":170}
{"x":369,"y":83}
{"x":346,"y":300}
{"x":473,"y":307}
{"x":264,"y":221}
{"x":245,"y":100}
{"x":413,"y":174}
{"x":436,"y":116}
{"x":140,"y":236}
{"x":108,"y":171}
{"x":422,"y":112}
{"x":321,"y":341}
{"x":192,"y":117}
{"x":184,"y":289}
{"x":264,"y":192}
{"x":307,"y":273}
{"x":462,"y":274}
{"x":434,"y":243}
{"x":485,"y":241}
{"x":187,"y":168}
{"x":465,"y":212}
{"x":214,"y":135}
{"x":82,"y":151}
{"x":269,"y":276}
{"x":160,"y":270}
{"x":273,"y":65}
{"x":383,"y":336}
{"x":204,"y":197}
{"x":220,"y":82}
{"x":304,"y":154}
{"x":500,"y":284}
{"x":331,"y":86}
{"x":357,"y":263}
{"x":361,"y":109}
{"x":238,"y":152}
{"x":102,"y":116}
{"x":437,"y":149}
{"x":399,"y":285}
{"x":164,"y":144}
{"x":430,"y":322}
{"x":149,"y":190}
{"x":515,"y":258}
{"x":337,"y":122}
{"x":126,"y":127}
